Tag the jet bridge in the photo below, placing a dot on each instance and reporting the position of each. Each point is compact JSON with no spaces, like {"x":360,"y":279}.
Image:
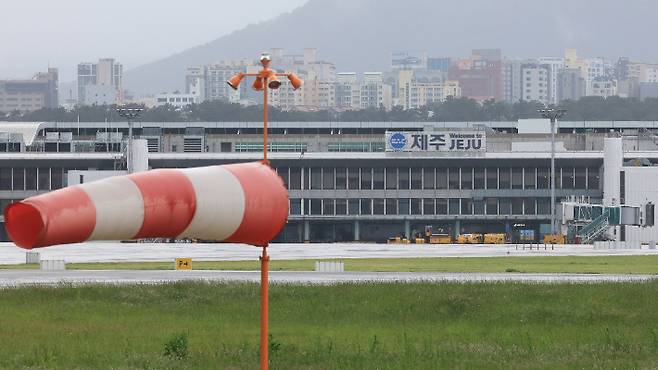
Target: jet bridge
{"x":586,"y":222}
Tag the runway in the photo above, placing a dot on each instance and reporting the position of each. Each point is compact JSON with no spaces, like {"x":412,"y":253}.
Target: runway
{"x":143,"y":252}
{"x":13,"y":278}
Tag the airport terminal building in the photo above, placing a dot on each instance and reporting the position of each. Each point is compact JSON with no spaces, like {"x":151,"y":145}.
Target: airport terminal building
{"x":357,"y":181}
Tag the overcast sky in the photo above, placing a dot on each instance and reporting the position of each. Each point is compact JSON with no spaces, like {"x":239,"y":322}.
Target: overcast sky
{"x":34,"y":33}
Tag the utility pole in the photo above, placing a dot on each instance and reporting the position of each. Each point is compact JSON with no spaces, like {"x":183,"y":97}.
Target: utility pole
{"x":552,"y":114}
{"x":129,"y":114}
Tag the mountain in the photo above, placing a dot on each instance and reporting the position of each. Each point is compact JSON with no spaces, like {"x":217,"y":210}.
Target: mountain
{"x":359,"y":35}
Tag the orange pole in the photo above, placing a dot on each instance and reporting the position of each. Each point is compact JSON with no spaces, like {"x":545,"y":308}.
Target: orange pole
{"x":264,"y":309}
{"x":264,"y":260}
{"x":265,"y":122}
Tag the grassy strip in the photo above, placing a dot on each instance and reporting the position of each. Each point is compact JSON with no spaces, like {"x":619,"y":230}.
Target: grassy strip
{"x":350,"y":326}
{"x":539,"y":264}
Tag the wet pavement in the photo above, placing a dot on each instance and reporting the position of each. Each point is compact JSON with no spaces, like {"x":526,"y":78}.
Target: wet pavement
{"x":143,"y":252}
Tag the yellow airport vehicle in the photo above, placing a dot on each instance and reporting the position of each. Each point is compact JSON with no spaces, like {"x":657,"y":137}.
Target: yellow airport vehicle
{"x":495,"y":239}
{"x":397,"y":240}
{"x":555,"y":239}
{"x":440,"y":239}
{"x":394,"y":240}
{"x":431,"y":238}
{"x":470,"y":239}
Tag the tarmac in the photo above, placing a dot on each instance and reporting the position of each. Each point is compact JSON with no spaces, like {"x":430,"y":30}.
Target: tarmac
{"x":145,"y":252}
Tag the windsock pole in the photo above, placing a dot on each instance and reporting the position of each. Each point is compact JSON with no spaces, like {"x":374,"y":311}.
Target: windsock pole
{"x":264,"y":260}
{"x":264,"y":308}
{"x":262,"y":83}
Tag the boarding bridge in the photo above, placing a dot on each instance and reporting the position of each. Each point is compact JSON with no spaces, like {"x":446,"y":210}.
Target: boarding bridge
{"x":586,"y":222}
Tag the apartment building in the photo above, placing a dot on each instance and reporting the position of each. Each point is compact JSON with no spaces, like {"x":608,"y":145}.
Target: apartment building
{"x":30,"y":95}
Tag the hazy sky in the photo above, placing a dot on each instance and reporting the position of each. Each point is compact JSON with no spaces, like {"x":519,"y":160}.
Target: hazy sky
{"x":63,"y":33}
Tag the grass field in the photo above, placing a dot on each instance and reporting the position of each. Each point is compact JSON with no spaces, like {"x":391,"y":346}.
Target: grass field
{"x":350,"y":326}
{"x":561,"y":264}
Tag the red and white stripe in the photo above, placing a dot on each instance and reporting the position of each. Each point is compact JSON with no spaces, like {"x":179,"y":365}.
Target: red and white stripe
{"x":241,"y":203}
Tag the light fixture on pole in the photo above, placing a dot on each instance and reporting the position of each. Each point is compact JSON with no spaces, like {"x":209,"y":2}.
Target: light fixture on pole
{"x":129,"y":114}
{"x":234,"y":82}
{"x":553,"y":114}
{"x":265,"y":79}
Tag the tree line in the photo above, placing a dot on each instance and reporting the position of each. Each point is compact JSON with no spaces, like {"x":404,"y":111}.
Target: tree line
{"x":453,"y":110}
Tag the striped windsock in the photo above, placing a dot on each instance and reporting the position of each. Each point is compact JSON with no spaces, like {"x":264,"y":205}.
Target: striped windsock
{"x":239,"y":203}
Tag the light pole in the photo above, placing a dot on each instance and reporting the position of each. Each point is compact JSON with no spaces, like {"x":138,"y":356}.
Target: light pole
{"x":552,"y":114}
{"x":265,"y":78}
{"x":129,"y":114}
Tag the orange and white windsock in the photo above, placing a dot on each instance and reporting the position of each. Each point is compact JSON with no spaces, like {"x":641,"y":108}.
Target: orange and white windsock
{"x":239,"y":203}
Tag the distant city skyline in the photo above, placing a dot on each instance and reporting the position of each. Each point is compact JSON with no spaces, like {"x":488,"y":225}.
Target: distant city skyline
{"x":37,"y":33}
{"x":201,"y":33}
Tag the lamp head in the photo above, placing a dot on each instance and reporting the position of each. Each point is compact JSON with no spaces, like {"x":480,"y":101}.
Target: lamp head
{"x":295,"y":81}
{"x":234,"y":82}
{"x":258,"y":84}
{"x":273,"y":81}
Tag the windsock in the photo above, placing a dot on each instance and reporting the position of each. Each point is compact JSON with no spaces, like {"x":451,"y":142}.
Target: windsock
{"x":238,"y":203}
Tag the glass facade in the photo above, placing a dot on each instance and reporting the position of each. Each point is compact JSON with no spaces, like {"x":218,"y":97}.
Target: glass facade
{"x":31,"y":178}
{"x":429,"y":178}
{"x":492,"y":178}
{"x":392,"y":178}
{"x":418,"y":180}
{"x":467,"y":178}
{"x":378,"y":178}
{"x":366,"y":178}
{"x":374,"y":193}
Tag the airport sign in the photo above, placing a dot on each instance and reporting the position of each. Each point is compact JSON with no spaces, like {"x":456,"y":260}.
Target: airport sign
{"x":436,"y":141}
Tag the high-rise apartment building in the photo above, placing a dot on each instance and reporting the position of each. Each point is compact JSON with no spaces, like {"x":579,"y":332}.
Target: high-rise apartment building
{"x":571,"y":85}
{"x":216,"y":77}
{"x":30,"y":95}
{"x":370,"y":92}
{"x":321,"y":94}
{"x":596,"y":69}
{"x":648,"y":73}
{"x":374,"y":92}
{"x":345,"y":91}
{"x":604,"y":87}
{"x":555,"y":66}
{"x":414,"y":94}
{"x":592,"y":69}
{"x":100,"y":83}
{"x":286,"y":98}
{"x":439,"y":64}
{"x":176,"y":99}
{"x":195,"y":82}
{"x":209,"y":82}
{"x":511,"y":70}
{"x":319,"y":89}
{"x":535,"y":83}
{"x":631,"y":75}
{"x":480,"y":77}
